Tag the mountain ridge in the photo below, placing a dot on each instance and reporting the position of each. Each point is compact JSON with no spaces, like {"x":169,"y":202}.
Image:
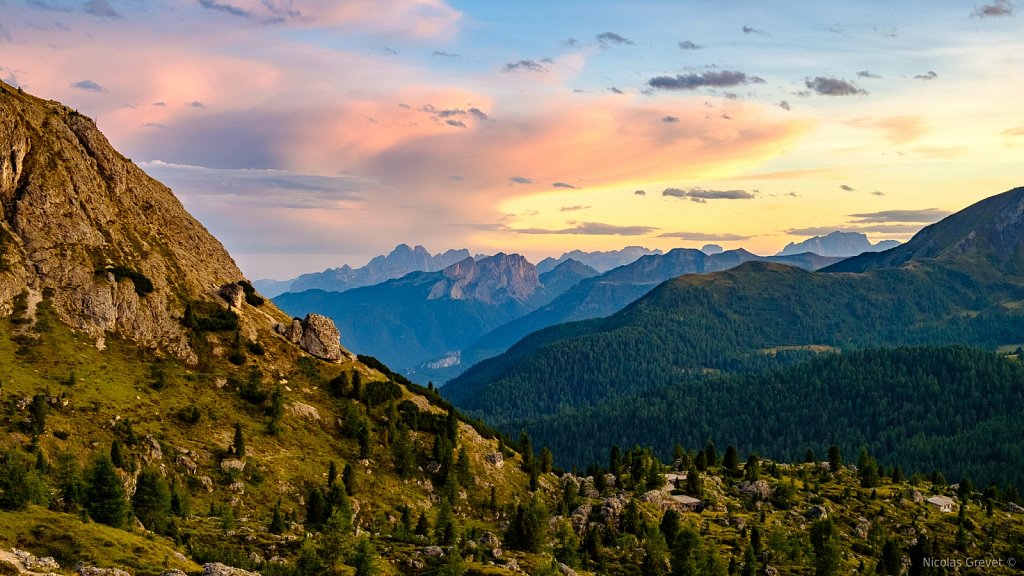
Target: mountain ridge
{"x":838,"y":243}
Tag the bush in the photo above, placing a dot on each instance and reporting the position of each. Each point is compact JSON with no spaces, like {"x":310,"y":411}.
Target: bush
{"x":143,"y":285}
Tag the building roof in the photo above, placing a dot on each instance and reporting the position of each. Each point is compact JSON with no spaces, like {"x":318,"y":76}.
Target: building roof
{"x":941,"y":501}
{"x":684,"y":499}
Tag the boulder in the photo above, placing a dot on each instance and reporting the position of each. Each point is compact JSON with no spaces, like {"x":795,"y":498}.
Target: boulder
{"x":233,"y":294}
{"x":151,"y":450}
{"x":232,"y":464}
{"x":83,"y":570}
{"x":315,"y":334}
{"x":218,"y":569}
{"x":306,"y":411}
{"x":496,"y":459}
{"x":173,"y":572}
{"x":817,"y":512}
{"x":490,"y":540}
{"x":565,"y":570}
{"x":433,"y":551}
{"x":1014,"y":507}
{"x":759,"y":489}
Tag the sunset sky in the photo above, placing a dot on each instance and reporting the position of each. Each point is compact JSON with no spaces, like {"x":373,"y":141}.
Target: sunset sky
{"x":310,"y":134}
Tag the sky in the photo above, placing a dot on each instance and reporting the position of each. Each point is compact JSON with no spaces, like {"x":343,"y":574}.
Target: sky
{"x":307,"y":134}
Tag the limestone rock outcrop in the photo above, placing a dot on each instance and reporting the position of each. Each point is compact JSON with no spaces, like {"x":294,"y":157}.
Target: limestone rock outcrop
{"x":315,"y":334}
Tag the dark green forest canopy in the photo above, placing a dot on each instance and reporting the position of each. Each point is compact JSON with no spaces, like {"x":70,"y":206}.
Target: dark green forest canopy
{"x":956,"y":409}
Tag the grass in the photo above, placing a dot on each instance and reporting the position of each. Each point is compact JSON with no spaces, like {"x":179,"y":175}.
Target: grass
{"x":70,"y":541}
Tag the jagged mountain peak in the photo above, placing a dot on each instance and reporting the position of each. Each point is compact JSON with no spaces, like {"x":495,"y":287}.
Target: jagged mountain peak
{"x":489,"y":279}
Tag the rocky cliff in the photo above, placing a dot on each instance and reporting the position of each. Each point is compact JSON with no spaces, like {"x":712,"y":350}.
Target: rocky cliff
{"x":110,"y":247}
{"x":491,"y":280}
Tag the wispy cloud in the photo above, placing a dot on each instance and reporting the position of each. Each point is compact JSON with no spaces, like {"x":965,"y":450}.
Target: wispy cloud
{"x":700,"y":194}
{"x":868,"y":74}
{"x":833,"y":87}
{"x":928,"y":215}
{"x":590,"y":229}
{"x":607,"y":39}
{"x":525,"y":65}
{"x":752,"y":30}
{"x":931,"y":75}
{"x":520,"y":180}
{"x":640,"y":193}
{"x":443,"y":54}
{"x":705,"y":236}
{"x":100,"y":8}
{"x":712,"y":79}
{"x":573,"y":208}
{"x":995,"y":9}
{"x":846,"y":188}
{"x":688,"y":45}
{"x":225,"y":7}
{"x":670,"y":119}
{"x":565,"y":185}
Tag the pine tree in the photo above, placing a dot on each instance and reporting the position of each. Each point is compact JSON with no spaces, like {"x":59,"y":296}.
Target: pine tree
{"x":277,"y":525}
{"x":70,"y":484}
{"x":348,"y":478}
{"x":547,"y":460}
{"x":316,"y":508}
{"x":423,"y":526}
{"x":463,"y":471}
{"x":731,"y":460}
{"x":363,"y":558}
{"x":37,"y":410}
{"x":403,"y":452}
{"x":15,"y":491}
{"x":632,"y":521}
{"x":105,"y":495}
{"x":670,"y":526}
{"x":752,"y":470}
{"x":332,"y":474}
{"x":238,"y":446}
{"x":276,"y":411}
{"x":710,"y":454}
{"x":825,"y":541}
{"x":835,"y":459}
{"x":444,"y":526}
{"x":655,"y":553}
{"x":180,"y":503}
{"x":117,"y":454}
{"x":151,"y":502}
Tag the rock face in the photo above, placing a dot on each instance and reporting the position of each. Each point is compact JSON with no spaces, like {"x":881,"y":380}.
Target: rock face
{"x":315,"y":334}
{"x":233,"y":293}
{"x":78,"y":220}
{"x":490,"y":280}
{"x":843,"y":244}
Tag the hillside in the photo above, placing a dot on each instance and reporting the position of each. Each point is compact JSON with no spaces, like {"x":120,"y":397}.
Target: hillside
{"x":614,"y":290}
{"x":697,"y":325}
{"x":158,"y":413}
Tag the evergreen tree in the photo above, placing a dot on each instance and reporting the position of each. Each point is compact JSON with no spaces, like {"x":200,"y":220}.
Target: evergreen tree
{"x":348,"y":478}
{"x":276,"y":411}
{"x":752,"y":470}
{"x":694,"y":483}
{"x":117,"y":454}
{"x":105,"y":495}
{"x":70,"y":484}
{"x":614,"y":462}
{"x":277,"y":524}
{"x":710,"y":454}
{"x":151,"y":502}
{"x":835,"y":459}
{"x":364,"y":442}
{"x":317,"y":510}
{"x":332,"y":474}
{"x":655,"y":553}
{"x":444,"y":526}
{"x":238,"y":446}
{"x":809,"y":457}
{"x":463,"y":471}
{"x":37,"y":410}
{"x":15,"y":489}
{"x":526,"y":447}
{"x":670,"y":526}
{"x":567,"y":544}
{"x":363,"y":559}
{"x":731,"y":460}
{"x":403,"y":451}
{"x":826,"y":543}
{"x":423,"y":526}
{"x":749,"y":562}
{"x":547,"y":460}
{"x":180,"y":503}
{"x":632,"y":521}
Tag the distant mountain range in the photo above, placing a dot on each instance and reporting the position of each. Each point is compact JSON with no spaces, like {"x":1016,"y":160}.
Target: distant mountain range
{"x":840,"y":244}
{"x":427,"y":317}
{"x":399,"y":262}
{"x":959,"y":281}
{"x":612,"y":291}
{"x":600,"y":261}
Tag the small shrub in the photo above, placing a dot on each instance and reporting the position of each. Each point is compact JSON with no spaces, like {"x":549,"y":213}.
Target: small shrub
{"x":190,"y":414}
{"x":143,"y":285}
